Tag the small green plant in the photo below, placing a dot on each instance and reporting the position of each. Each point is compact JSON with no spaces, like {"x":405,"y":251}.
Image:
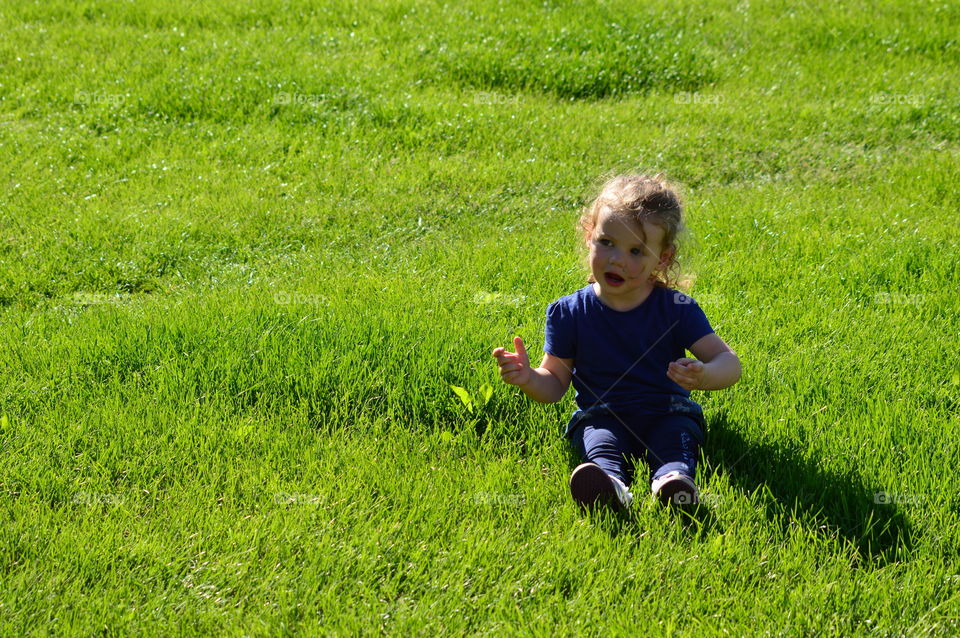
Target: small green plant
{"x":482,"y":397}
{"x":475,"y":404}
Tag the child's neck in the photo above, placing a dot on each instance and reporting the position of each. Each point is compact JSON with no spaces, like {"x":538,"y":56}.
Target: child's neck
{"x":624,"y":304}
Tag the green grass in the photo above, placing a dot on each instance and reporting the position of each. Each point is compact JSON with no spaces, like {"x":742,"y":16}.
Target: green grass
{"x":247,"y":249}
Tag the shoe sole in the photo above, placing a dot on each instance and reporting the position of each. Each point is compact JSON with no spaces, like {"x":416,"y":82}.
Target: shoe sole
{"x":678,"y":492}
{"x":589,"y":484}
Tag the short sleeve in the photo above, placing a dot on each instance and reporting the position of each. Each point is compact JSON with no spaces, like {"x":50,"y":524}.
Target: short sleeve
{"x":559,"y":338}
{"x":693,"y":323}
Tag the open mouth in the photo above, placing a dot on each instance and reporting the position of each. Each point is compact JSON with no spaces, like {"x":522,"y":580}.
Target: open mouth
{"x":613,"y":279}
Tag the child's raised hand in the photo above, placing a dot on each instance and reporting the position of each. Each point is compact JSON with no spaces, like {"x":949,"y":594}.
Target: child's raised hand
{"x":514,"y":367}
{"x":686,"y":373}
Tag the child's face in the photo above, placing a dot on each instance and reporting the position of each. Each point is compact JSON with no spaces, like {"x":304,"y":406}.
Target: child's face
{"x":618,"y":247}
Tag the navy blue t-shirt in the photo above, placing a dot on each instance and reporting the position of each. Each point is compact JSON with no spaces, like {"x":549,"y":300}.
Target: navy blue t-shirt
{"x":620,"y":359}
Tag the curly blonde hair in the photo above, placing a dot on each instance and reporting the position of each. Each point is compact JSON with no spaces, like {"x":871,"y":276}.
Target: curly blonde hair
{"x":641,"y":198}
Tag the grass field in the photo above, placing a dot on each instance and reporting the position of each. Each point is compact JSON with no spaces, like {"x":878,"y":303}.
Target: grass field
{"x":246,"y":249}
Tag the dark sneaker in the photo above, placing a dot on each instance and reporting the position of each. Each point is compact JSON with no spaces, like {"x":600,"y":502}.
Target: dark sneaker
{"x":676,"y":488}
{"x":590,"y":484}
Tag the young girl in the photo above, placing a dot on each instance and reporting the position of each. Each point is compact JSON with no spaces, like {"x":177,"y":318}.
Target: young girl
{"x":621,"y":340}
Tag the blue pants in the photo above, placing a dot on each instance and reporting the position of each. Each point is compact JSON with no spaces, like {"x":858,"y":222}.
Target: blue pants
{"x":666,"y":443}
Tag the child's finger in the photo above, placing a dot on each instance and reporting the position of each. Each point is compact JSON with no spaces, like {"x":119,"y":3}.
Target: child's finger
{"x":511,"y":361}
{"x":505,"y":355}
{"x":521,"y":349}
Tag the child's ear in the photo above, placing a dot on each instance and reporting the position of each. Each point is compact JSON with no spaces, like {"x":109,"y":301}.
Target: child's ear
{"x":667,"y":255}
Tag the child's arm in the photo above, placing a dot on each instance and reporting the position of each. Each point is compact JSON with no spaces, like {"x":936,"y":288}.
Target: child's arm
{"x":718,"y":366}
{"x":546,"y":384}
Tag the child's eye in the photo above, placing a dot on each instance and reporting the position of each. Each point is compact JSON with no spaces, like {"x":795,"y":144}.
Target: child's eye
{"x":637,"y":251}
{"x":604,"y":242}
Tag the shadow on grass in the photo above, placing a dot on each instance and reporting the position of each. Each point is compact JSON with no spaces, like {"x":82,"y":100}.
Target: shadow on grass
{"x":830,"y":503}
{"x":807,"y":494}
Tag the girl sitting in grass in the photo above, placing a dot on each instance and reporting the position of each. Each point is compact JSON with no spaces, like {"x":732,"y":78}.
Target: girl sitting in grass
{"x":621,"y":340}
